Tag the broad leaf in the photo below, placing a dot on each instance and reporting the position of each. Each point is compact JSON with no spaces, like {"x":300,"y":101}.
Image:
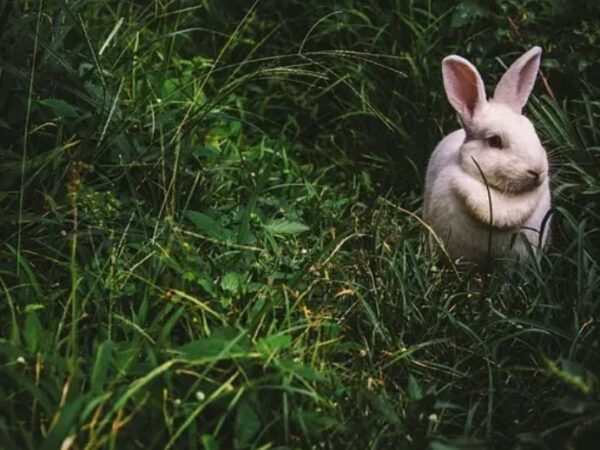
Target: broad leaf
{"x":247,"y":425}
{"x":283,"y":226}
{"x":209,"y":226}
{"x":59,"y":107}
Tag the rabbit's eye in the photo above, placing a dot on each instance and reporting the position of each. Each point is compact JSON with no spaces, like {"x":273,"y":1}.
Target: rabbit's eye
{"x":494,"y":141}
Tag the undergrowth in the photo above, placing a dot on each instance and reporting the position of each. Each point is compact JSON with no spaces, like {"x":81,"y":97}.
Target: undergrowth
{"x":211,"y":235}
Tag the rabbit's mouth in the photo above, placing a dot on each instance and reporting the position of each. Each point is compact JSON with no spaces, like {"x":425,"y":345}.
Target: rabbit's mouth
{"x":518,"y":185}
{"x":532,"y":180}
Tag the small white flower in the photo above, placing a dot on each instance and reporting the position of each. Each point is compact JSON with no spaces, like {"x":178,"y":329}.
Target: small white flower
{"x":200,"y":396}
{"x":21,"y":360}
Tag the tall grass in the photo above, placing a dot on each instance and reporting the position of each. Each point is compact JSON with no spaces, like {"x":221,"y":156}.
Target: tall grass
{"x":210,"y":233}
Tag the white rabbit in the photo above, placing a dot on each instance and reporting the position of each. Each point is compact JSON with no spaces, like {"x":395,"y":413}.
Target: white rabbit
{"x":499,"y":141}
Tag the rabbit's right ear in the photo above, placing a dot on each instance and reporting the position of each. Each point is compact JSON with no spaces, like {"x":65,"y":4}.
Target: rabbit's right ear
{"x":464,"y":87}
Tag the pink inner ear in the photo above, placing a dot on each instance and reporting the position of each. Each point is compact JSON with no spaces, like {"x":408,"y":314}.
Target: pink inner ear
{"x":462,"y":87}
{"x":527,"y":77}
{"x":516,"y":84}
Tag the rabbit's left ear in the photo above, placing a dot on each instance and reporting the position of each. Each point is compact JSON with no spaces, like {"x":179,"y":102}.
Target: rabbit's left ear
{"x":516,"y":84}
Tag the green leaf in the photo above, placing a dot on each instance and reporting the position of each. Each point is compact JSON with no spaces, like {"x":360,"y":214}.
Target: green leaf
{"x":168,"y":88}
{"x":571,"y":373}
{"x":33,"y":307}
{"x":466,"y":12}
{"x":209,"y":442}
{"x":234,"y":128}
{"x":415,"y":392}
{"x":247,"y":425}
{"x":221,"y":344}
{"x":10,"y":351}
{"x":384,"y":407}
{"x":103,"y":354}
{"x":314,"y":422}
{"x":60,"y":108}
{"x":33,"y":331}
{"x":209,"y":226}
{"x":274,"y":343}
{"x":283,"y":226}
{"x":231,"y":282}
{"x":188,"y":275}
{"x":300,"y":370}
{"x":65,"y":423}
{"x":205,"y":151}
{"x":218,"y":132}
{"x":206,"y":283}
{"x":573,"y":368}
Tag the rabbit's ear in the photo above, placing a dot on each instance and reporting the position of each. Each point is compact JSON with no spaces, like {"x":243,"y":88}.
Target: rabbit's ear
{"x":464,"y":87}
{"x":516,"y":84}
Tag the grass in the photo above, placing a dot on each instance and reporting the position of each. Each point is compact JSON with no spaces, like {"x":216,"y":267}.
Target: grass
{"x":211,"y":235}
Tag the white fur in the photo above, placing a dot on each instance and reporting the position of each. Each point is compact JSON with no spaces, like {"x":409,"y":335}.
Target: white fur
{"x":456,"y":198}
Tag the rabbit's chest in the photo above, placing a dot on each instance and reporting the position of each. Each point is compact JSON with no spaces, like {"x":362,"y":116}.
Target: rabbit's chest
{"x":469,"y":240}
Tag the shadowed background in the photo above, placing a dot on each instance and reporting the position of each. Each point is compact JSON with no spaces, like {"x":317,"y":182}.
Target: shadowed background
{"x":210,"y":235}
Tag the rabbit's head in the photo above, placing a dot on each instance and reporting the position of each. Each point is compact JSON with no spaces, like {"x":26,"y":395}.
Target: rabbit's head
{"x":499,"y":138}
